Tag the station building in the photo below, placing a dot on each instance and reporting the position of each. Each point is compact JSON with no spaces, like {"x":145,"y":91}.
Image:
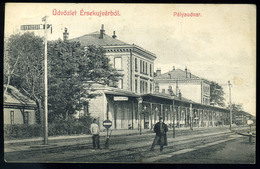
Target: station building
{"x":183,"y":82}
{"x":135,"y":64}
{"x":136,"y":103}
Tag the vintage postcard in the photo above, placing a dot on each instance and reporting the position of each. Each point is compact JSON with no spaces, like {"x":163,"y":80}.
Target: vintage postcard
{"x":130,"y":83}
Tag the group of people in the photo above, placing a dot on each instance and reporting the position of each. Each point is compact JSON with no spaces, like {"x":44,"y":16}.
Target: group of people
{"x":160,"y":129}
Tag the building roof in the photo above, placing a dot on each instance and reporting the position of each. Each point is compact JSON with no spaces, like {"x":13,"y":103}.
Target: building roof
{"x":13,"y":98}
{"x":159,"y":95}
{"x":183,"y":99}
{"x":177,"y":74}
{"x":99,"y":38}
{"x":94,"y":39}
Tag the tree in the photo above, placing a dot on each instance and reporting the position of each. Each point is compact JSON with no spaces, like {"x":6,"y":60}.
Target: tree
{"x":236,"y":107}
{"x":72,"y":70}
{"x":24,"y":66}
{"x":217,"y":94}
{"x":9,"y":67}
{"x":237,"y":111}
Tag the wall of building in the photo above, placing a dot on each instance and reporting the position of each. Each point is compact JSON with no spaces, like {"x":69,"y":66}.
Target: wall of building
{"x":205,"y":93}
{"x":131,"y":69}
{"x":96,"y":109}
{"x":143,"y":75}
{"x":125,"y":70}
{"x":18,"y":117}
{"x":123,"y":114}
{"x":191,"y":90}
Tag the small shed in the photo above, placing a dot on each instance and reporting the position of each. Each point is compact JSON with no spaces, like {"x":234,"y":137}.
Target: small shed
{"x":18,"y":108}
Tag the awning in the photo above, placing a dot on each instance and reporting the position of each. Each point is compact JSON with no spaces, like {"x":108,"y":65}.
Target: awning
{"x":121,"y":93}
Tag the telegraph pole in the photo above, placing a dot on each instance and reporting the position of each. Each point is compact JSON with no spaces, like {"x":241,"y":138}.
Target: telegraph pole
{"x":45,"y":83}
{"x":230,"y":108}
{"x":45,"y":27}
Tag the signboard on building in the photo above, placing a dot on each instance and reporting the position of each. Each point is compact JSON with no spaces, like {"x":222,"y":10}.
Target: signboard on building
{"x":32,"y":27}
{"x":120,"y":98}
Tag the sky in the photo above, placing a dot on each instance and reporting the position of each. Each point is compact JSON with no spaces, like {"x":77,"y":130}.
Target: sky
{"x":218,"y":43}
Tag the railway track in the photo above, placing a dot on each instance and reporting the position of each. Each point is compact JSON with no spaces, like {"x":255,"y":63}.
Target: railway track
{"x":132,"y":148}
{"x":140,"y":151}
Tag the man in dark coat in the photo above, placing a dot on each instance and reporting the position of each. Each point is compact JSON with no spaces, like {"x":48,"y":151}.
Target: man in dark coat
{"x":160,"y":129}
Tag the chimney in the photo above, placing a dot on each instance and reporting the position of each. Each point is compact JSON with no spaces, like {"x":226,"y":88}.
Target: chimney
{"x":102,"y":32}
{"x":169,"y":75}
{"x":180,"y":94}
{"x":158,"y":72}
{"x":156,"y":88}
{"x":65,"y":35}
{"x":173,"y":68}
{"x":186,"y":71}
{"x":114,"y":35}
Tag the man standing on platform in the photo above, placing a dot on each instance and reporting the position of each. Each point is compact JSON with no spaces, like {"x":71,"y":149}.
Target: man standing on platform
{"x":160,"y":129}
{"x":94,"y":129}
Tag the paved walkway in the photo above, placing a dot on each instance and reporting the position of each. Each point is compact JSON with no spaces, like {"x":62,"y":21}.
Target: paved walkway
{"x":114,"y":132}
{"x":28,"y":144}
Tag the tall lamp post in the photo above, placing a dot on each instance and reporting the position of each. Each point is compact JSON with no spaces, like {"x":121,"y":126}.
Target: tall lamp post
{"x":230,"y":106}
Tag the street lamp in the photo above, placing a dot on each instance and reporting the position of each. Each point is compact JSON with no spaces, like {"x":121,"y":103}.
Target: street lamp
{"x":230,"y":106}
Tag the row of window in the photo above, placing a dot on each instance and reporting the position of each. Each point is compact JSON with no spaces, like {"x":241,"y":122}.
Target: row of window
{"x":26,"y":117}
{"x":143,"y":87}
{"x":206,"y":90}
{"x":143,"y":67}
{"x":206,"y":101}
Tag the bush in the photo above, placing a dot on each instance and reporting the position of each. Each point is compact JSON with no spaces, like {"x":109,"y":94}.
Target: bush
{"x":70,"y":127}
{"x":61,"y":127}
{"x":21,"y":131}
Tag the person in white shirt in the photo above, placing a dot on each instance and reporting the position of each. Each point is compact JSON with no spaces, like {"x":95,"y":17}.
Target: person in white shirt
{"x":94,"y":129}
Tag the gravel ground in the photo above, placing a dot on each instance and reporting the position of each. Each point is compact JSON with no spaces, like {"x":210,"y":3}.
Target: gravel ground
{"x":238,"y":151}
